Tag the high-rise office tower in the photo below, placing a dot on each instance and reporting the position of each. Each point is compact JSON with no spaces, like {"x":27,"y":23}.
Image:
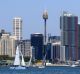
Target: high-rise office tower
{"x":69,"y":35}
{"x":37,"y":43}
{"x":79,"y":40}
{"x":17,"y":27}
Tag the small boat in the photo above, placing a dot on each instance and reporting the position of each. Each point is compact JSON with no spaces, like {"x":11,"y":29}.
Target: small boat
{"x":18,"y":62}
{"x":73,"y":64}
{"x":48,"y":64}
{"x":41,"y":66}
{"x":18,"y":67}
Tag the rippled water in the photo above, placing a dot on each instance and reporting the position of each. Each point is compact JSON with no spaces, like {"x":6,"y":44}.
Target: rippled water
{"x":47,"y":70}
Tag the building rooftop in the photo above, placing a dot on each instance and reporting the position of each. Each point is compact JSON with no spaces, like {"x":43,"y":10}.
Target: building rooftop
{"x":56,"y":43}
{"x":17,"y":17}
{"x":67,"y":14}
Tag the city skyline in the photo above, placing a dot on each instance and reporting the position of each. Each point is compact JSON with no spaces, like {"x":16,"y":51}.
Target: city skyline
{"x":31,"y":13}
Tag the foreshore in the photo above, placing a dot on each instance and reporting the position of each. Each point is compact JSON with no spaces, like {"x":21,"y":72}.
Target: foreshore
{"x":50,"y":64}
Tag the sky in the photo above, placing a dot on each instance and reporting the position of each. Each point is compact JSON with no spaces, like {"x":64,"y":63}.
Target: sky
{"x":31,"y":13}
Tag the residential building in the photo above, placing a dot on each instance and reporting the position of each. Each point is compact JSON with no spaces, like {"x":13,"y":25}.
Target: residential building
{"x":7,"y":45}
{"x":17,"y":27}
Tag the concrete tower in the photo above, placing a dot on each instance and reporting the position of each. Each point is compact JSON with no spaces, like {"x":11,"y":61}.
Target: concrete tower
{"x":17,"y":27}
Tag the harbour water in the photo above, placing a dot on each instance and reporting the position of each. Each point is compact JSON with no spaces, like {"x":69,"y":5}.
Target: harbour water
{"x":47,"y":70}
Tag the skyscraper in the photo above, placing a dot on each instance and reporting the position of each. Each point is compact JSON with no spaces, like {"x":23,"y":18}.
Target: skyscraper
{"x":79,"y":41}
{"x":69,"y":35}
{"x":17,"y":27}
{"x":37,"y":43}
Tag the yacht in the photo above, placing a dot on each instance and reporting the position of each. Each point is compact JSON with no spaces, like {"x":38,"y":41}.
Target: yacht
{"x":18,"y":62}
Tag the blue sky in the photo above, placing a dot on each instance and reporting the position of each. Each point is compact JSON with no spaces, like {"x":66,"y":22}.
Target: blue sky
{"x":31,"y":12}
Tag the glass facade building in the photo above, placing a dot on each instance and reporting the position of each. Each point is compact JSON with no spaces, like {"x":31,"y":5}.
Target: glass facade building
{"x":69,"y":35}
{"x":53,"y":38}
{"x":79,"y":41}
{"x":55,"y":51}
{"x":37,"y":43}
{"x":48,"y":51}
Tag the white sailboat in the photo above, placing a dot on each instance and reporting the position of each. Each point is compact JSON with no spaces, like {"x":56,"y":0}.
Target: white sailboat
{"x":18,"y":63}
{"x":17,"y":57}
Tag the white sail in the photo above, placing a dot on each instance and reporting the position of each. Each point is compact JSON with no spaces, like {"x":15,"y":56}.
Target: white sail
{"x":22,"y":61}
{"x":30,"y":57}
{"x":17,"y":57}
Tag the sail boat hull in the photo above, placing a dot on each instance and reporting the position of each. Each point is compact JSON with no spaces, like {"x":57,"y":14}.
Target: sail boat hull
{"x":18,"y":67}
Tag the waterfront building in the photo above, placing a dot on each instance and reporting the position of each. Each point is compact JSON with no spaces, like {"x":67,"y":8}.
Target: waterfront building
{"x":25,"y":47}
{"x":37,"y":43}
{"x":63,"y":52}
{"x":69,"y":35}
{"x":7,"y":45}
{"x":55,"y":51}
{"x":79,"y":41}
{"x":53,"y":46}
{"x":48,"y":51}
{"x":12,"y":46}
{"x":17,"y":27}
{"x":33,"y":53}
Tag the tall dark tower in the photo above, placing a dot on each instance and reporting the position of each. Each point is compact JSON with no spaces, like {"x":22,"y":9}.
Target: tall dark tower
{"x":45,"y":17}
{"x":37,"y":43}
